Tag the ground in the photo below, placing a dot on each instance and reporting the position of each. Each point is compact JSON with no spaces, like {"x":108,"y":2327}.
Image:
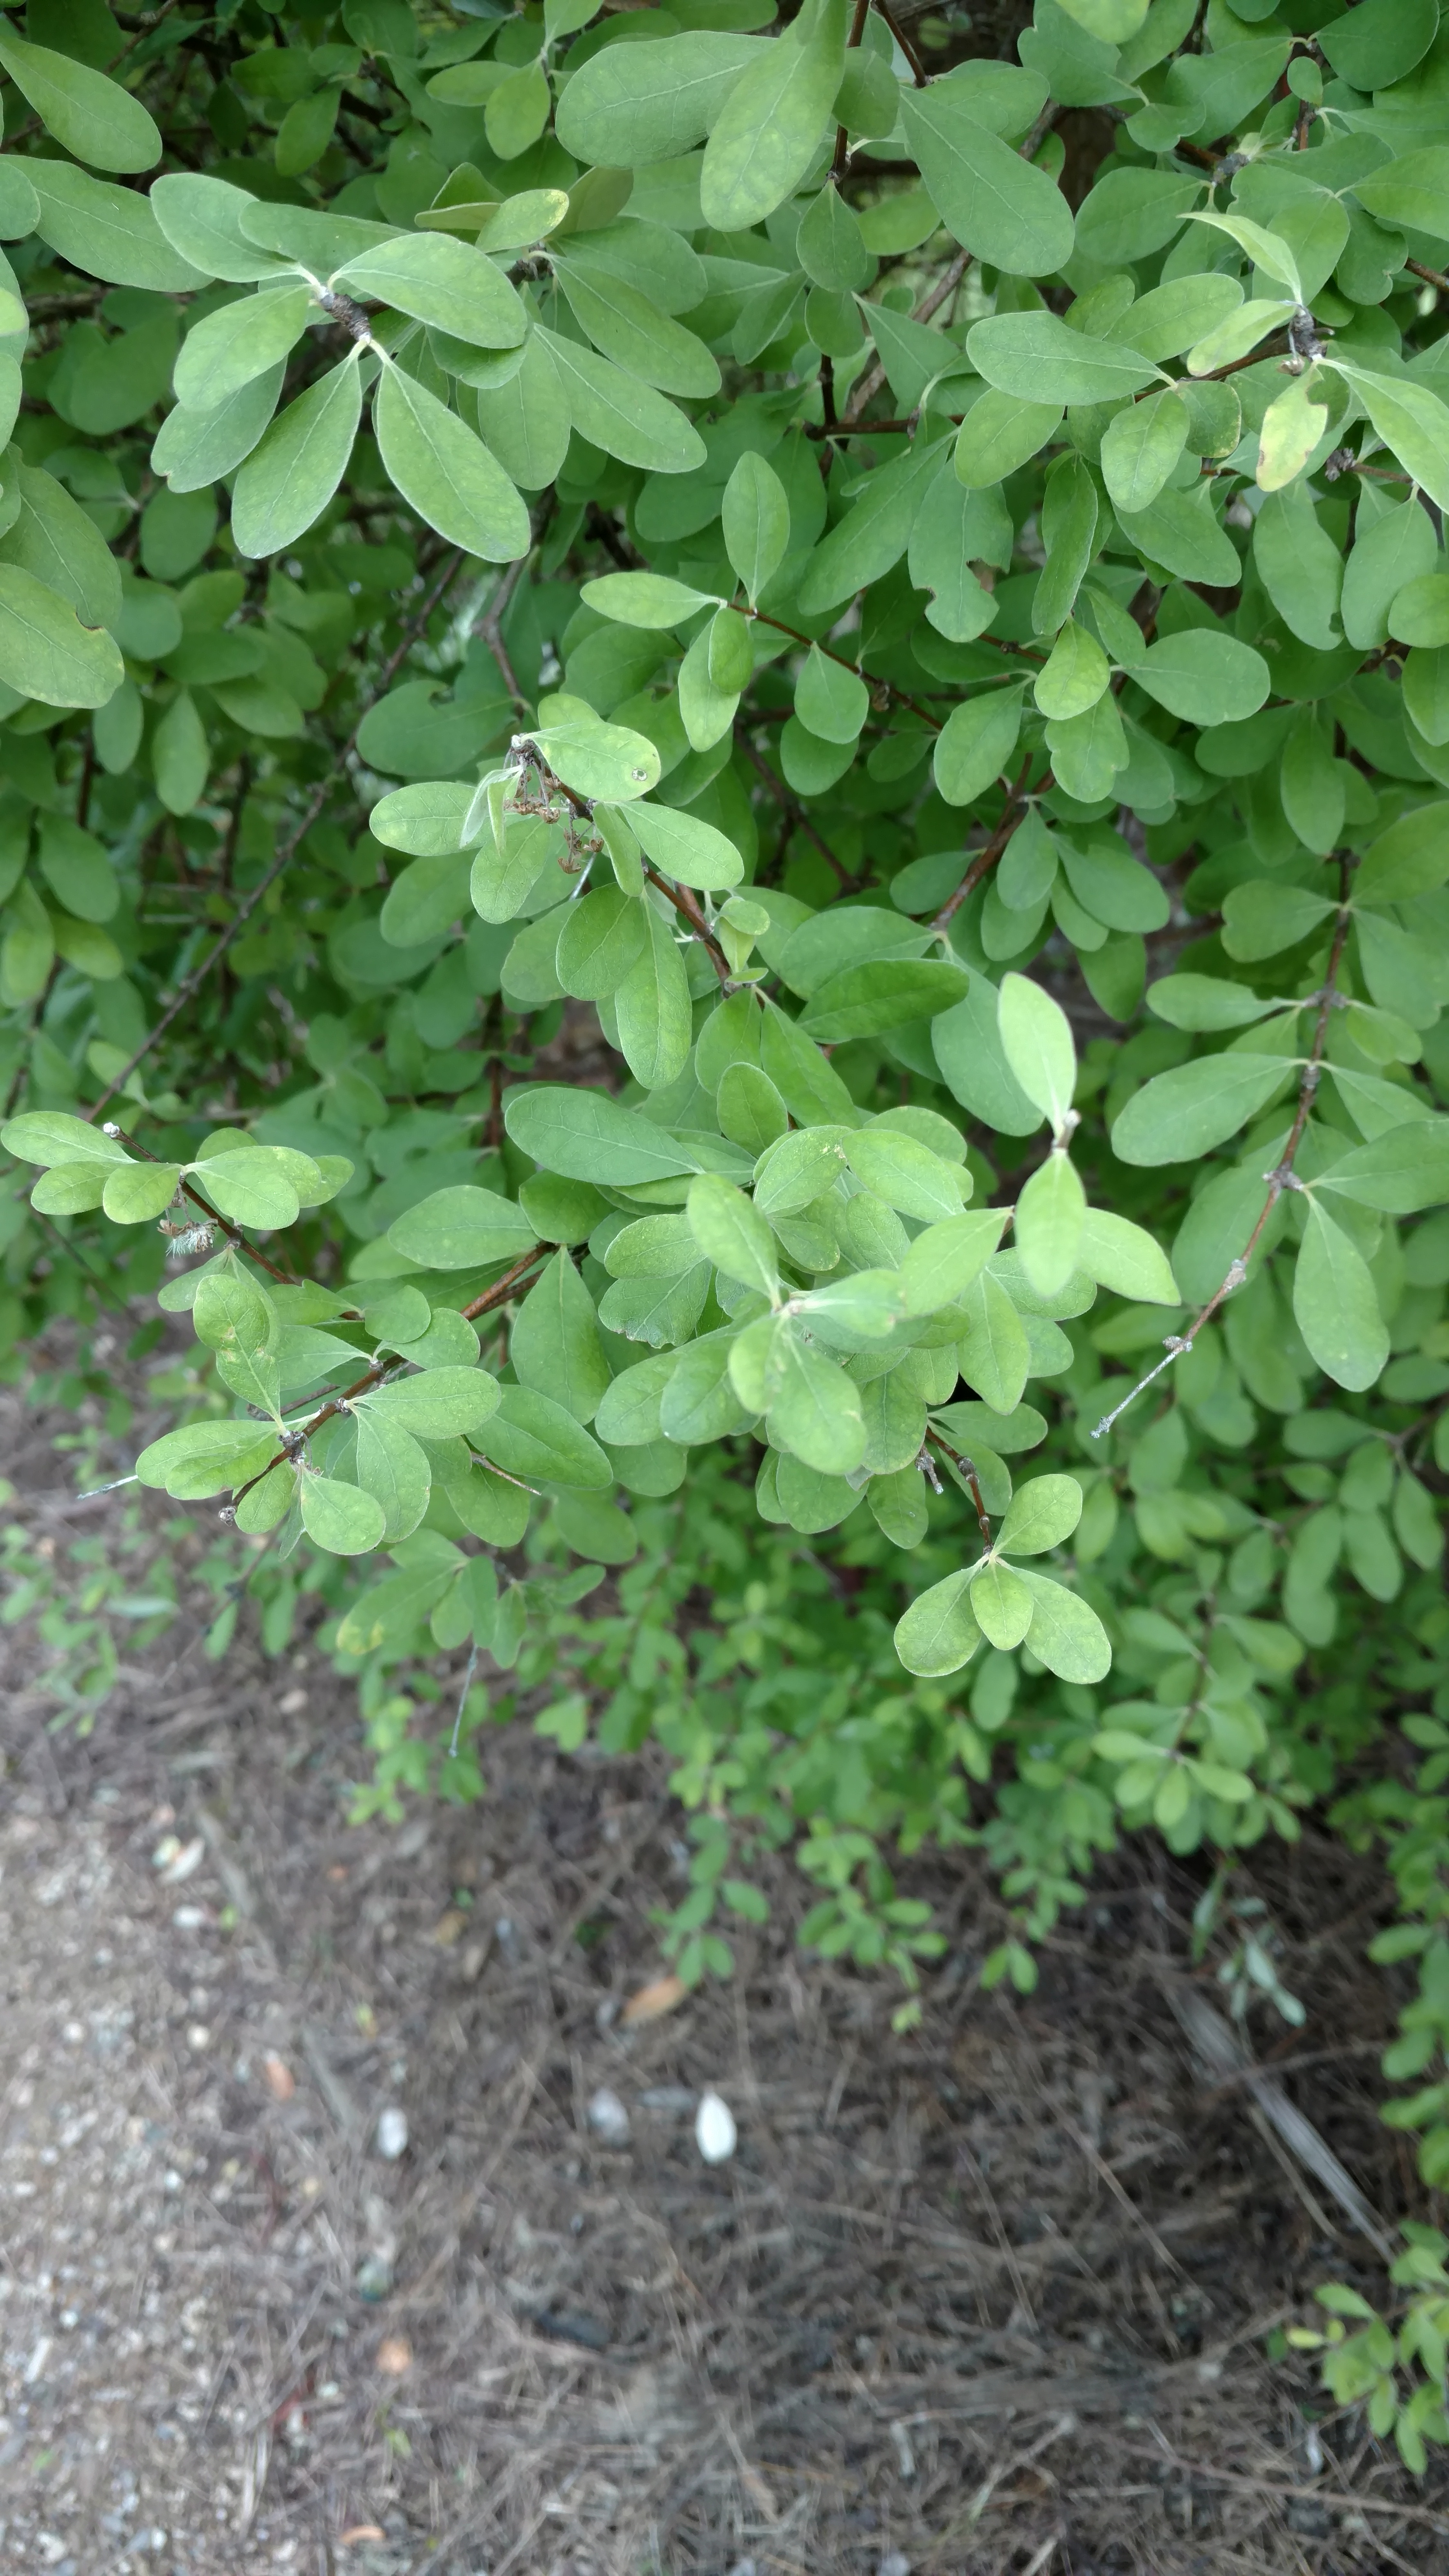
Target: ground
{"x":988,"y":2296}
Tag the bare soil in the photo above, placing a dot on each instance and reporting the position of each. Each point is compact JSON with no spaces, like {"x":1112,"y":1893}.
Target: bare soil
{"x":990,"y":2296}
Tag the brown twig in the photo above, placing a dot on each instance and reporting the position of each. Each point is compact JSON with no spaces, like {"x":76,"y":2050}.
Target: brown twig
{"x":873,"y":682}
{"x":490,"y":627}
{"x":919,"y":73}
{"x":986,"y":859}
{"x":287,"y":850}
{"x":1430,"y":276}
{"x":296,"y":1439}
{"x":794,"y":811}
{"x":237,"y":1240}
{"x":946,"y":285}
{"x":684,"y":904}
{"x":972,"y":1482}
{"x":1281,"y":1177}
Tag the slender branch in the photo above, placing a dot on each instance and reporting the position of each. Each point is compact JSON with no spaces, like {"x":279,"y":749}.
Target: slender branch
{"x":946,"y":285}
{"x":1282,"y":1176}
{"x":491,"y":623}
{"x":1430,"y":276}
{"x":842,"y":139}
{"x":876,"y":685}
{"x":238,"y":1241}
{"x":970,"y":1476}
{"x":295,"y":1440}
{"x":986,"y":859}
{"x":288,"y":848}
{"x":684,"y":903}
{"x":919,"y":73}
{"x":795,"y":812}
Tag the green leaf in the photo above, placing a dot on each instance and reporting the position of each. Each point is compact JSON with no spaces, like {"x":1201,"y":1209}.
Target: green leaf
{"x":106,"y":231}
{"x":1041,"y":1514}
{"x":647,"y":599}
{"x":1410,"y":858}
{"x":755,"y":516}
{"x":427,"y":821}
{"x":938,"y":1634}
{"x":1205,"y":677}
{"x":1300,"y":566}
{"x":46,"y":653}
{"x":1411,"y":420}
{"x":288,"y":480}
{"x":1123,"y":1257}
{"x":533,"y":1437}
{"x":1402,"y":1170}
{"x":1001,"y":1605}
{"x":554,"y":1344}
{"x":193,"y":448}
{"x":462,"y":1229}
{"x":1263,"y":916}
{"x":52,"y":1137}
{"x":999,"y":433}
{"x":686,"y":847}
{"x":1022,"y":353}
{"x":201,"y":219}
{"x":92,"y":117}
{"x":731,"y":1234}
{"x":206,"y":1458}
{"x":137,"y":1191}
{"x":1075,"y":674}
{"x":1048,"y":1223}
{"x":589,"y":1137}
{"x":874,"y":533}
{"x":865,"y":1000}
{"x":994,"y":1352}
{"x":1036,"y":1039}
{"x":633,"y":104}
{"x":240,"y":340}
{"x":442,"y":282}
{"x":627,"y":326}
{"x":904,"y":1173}
{"x":1009,"y":214}
{"x":815,"y":1410}
{"x":831,"y":702}
{"x":603,"y":936}
{"x":1179,"y":1115}
{"x":180,"y":755}
{"x":618,"y":414}
{"x":342,"y":1519}
{"x":1335,"y":1304}
{"x":766,"y":134}
{"x":975,"y":744}
{"x":446,"y":473}
{"x":945,"y":1258}
{"x":1205,"y":1002}
{"x":1065,"y":1633}
{"x":392,"y":1467}
{"x":652,"y":1008}
{"x":1412,"y":191}
{"x":600,"y":760}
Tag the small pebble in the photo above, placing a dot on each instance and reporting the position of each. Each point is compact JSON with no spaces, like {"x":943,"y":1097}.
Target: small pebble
{"x":608,"y":2118}
{"x":189,"y":1918}
{"x":715,"y":2133}
{"x":392,"y":2133}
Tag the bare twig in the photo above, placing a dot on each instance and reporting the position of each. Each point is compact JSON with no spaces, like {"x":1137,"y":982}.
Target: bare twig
{"x":986,"y":859}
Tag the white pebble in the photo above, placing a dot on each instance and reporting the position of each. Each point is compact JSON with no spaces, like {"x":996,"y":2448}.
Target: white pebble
{"x":392,"y":2134}
{"x":715,"y":2133}
{"x":608,"y":2118}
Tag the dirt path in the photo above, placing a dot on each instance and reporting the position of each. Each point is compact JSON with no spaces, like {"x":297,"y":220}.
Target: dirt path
{"x":988,"y":2297}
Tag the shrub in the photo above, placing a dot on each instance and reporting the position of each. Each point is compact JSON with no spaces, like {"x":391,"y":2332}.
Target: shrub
{"x":723,"y":748}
